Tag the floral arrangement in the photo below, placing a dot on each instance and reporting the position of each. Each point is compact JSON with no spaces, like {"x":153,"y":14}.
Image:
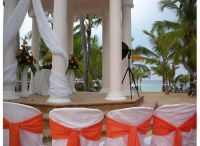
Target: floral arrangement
{"x":25,"y":58}
{"x":47,"y":61}
{"x":47,"y":66}
{"x":73,"y":63}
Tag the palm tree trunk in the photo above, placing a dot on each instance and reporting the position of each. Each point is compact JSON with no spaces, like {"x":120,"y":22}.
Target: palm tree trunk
{"x":166,"y":83}
{"x":85,"y":53}
{"x":163,"y":87}
{"x":88,"y":31}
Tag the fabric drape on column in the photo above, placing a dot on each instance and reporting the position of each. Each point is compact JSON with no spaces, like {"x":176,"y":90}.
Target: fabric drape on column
{"x":11,"y":28}
{"x":58,"y":82}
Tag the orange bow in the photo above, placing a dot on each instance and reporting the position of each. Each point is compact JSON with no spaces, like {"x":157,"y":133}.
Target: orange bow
{"x":161,"y":127}
{"x":116,"y":129}
{"x":34,"y":125}
{"x":61,"y":132}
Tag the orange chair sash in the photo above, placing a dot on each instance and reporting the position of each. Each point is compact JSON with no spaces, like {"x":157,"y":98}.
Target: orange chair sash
{"x":162,"y":128}
{"x":116,"y":129}
{"x":34,"y":125}
{"x":195,"y":121}
{"x":59,"y":131}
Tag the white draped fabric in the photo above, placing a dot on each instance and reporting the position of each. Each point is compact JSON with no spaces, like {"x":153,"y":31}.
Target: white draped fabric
{"x":11,"y":29}
{"x":58,"y":85}
{"x":58,"y":82}
{"x":9,"y":73}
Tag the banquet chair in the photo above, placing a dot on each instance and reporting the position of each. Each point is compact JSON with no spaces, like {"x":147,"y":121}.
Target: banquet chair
{"x":23,"y":125}
{"x":76,"y":126}
{"x":172,"y":126}
{"x":127,"y":127}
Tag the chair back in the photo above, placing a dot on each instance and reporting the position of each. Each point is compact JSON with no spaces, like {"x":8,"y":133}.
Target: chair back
{"x":134,"y":116}
{"x":76,"y":119}
{"x":16,"y":113}
{"x":176,"y":115}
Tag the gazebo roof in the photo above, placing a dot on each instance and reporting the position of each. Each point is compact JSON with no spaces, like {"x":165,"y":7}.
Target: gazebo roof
{"x":78,"y":6}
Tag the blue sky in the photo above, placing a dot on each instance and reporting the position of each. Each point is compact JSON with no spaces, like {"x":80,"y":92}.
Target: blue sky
{"x":144,"y":14}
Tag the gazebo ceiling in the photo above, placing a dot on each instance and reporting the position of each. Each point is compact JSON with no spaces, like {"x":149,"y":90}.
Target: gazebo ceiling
{"x":78,"y":6}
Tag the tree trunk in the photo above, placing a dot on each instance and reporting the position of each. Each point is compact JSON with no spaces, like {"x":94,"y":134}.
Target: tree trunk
{"x":89,"y":54}
{"x":163,"y":86}
{"x":85,"y":53}
{"x":166,"y":83}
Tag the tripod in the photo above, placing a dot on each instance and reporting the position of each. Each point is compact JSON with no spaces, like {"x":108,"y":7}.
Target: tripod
{"x":130,"y":74}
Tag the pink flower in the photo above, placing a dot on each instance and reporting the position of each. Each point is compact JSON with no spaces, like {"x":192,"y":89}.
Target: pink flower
{"x":28,"y":60}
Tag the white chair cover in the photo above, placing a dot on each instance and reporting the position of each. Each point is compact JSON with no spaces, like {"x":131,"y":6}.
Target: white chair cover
{"x":193,"y":138}
{"x":132,"y":116}
{"x":76,"y":118}
{"x":175,"y":114}
{"x":15,"y":112}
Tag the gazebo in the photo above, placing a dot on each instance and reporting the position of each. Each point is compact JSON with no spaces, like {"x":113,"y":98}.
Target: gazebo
{"x":116,"y":16}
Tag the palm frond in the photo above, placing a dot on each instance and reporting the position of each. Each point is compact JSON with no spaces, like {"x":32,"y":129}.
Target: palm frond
{"x":168,"y":4}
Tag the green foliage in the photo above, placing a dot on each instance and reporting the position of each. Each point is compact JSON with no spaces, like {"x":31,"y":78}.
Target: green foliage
{"x":182,"y":33}
{"x":95,"y":66}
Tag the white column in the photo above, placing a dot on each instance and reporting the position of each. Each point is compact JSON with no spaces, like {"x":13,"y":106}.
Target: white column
{"x":60,"y":27}
{"x":35,"y":39}
{"x":126,"y":38}
{"x":105,"y":54}
{"x":35,"y":47}
{"x":70,"y":30}
{"x":115,"y":52}
{"x":9,"y":58}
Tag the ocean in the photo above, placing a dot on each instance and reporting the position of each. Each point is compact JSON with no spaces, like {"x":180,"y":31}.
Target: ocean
{"x":150,"y":86}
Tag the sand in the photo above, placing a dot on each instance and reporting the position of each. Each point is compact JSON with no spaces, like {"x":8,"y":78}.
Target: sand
{"x":172,"y":98}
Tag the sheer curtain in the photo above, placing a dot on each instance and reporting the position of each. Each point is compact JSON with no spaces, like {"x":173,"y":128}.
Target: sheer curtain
{"x":58,"y":82}
{"x":11,"y":28}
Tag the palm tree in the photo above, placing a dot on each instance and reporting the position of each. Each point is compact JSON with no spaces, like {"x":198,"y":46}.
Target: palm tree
{"x":85,"y":53}
{"x":182,"y":33}
{"x":140,"y":72}
{"x":183,"y":80}
{"x":88,"y":23}
{"x":159,"y":56}
{"x":171,"y":73}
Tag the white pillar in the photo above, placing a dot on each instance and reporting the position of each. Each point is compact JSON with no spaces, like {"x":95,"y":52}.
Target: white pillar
{"x":115,"y":52}
{"x":35,"y":47}
{"x":70,"y":34}
{"x":126,"y":38}
{"x":106,"y":52}
{"x":70,"y":30}
{"x":9,"y":58}
{"x":60,"y":27}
